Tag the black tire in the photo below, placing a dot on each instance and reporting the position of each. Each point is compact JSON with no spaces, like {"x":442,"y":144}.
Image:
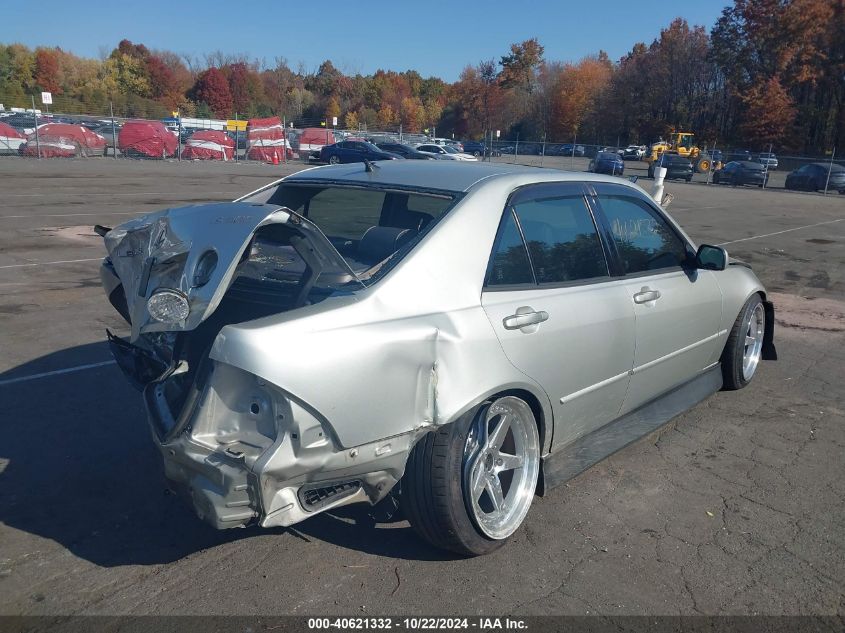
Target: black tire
{"x":689,"y":179}
{"x":334,"y":160}
{"x":732,"y":355}
{"x":433,"y":491}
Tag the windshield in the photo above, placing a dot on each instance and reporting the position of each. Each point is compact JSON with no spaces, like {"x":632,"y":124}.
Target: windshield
{"x":451,"y":149}
{"x":367,"y":226}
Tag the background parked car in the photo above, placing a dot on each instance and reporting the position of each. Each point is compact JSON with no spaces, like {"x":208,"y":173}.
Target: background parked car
{"x":354,"y":152}
{"x":633,"y":152}
{"x":476,"y":148}
{"x":607,"y":163}
{"x":741,"y":172}
{"x":814,"y":176}
{"x":209,"y":145}
{"x":10,"y":139}
{"x":568,"y":149}
{"x":677,"y":167}
{"x":313,"y":139}
{"x":405,"y":151}
{"x":146,"y":139}
{"x":24,"y":122}
{"x":62,"y":140}
{"x":444,"y":152}
{"x":739,"y":155}
{"x":768,"y":160}
{"x":479,"y":148}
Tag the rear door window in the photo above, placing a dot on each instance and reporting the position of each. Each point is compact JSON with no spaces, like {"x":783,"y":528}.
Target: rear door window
{"x":509,"y":265}
{"x":546,"y":241}
{"x":562,"y":240}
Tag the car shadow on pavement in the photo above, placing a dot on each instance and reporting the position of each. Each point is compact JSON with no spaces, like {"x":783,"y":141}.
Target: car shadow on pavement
{"x":78,"y":466}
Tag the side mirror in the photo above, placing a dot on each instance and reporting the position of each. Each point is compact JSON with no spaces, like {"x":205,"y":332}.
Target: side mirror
{"x":633,"y":179}
{"x":711,"y":257}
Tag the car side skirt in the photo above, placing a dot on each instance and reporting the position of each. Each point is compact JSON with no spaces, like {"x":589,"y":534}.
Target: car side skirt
{"x":575,"y":458}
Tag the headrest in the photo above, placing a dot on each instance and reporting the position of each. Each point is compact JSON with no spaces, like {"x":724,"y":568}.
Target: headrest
{"x":379,"y":242}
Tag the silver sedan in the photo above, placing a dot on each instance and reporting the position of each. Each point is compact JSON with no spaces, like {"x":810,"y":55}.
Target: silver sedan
{"x":478,"y":332}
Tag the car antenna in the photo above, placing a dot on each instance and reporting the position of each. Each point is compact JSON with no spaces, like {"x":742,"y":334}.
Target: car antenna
{"x":370,"y":166}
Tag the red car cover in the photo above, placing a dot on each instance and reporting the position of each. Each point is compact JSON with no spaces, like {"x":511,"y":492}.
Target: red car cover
{"x":62,"y":140}
{"x":147,"y":138}
{"x":10,"y":139}
{"x":209,"y":145}
{"x":314,"y":138}
{"x":266,"y":140}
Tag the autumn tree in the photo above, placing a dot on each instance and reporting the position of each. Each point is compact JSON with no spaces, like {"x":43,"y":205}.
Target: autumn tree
{"x":278,"y":83}
{"x":478,"y":97}
{"x":47,"y":70}
{"x":768,"y":114}
{"x":350,"y":121}
{"x":800,"y":43}
{"x":520,"y":66}
{"x":332,"y":110}
{"x":386,"y":117}
{"x":577,"y":94}
{"x":212,"y":88}
{"x":245,"y":87}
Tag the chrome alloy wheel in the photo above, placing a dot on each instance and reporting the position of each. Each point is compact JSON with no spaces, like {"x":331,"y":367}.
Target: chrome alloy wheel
{"x":500,"y":466}
{"x":754,"y":329}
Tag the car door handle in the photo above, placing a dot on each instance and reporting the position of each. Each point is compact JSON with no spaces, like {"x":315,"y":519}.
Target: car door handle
{"x":645,"y":295}
{"x":524,"y":317}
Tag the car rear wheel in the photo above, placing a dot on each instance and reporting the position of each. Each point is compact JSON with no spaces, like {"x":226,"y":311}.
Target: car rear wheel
{"x":744,"y":347}
{"x":469,"y":485}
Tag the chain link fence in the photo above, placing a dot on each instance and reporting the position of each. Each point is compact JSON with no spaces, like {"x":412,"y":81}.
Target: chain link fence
{"x":63,"y":131}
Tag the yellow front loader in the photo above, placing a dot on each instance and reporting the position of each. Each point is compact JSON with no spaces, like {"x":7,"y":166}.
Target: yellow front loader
{"x":683,"y":143}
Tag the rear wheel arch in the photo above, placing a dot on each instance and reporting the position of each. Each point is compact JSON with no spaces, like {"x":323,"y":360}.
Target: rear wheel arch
{"x":536,"y":408}
{"x":440,"y":473}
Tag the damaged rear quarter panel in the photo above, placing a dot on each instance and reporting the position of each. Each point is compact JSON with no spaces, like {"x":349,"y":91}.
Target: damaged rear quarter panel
{"x":413,"y":351}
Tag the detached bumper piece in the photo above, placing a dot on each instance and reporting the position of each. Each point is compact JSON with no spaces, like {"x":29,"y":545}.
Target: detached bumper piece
{"x":138,"y":365}
{"x":219,"y":490}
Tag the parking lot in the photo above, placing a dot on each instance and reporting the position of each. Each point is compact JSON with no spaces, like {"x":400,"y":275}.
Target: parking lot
{"x":736,"y":507}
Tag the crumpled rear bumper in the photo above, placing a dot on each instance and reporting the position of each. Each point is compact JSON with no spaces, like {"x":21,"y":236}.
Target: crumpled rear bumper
{"x":244,"y":451}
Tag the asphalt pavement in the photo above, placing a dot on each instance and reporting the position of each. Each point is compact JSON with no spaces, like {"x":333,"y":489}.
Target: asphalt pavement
{"x":735,"y":507}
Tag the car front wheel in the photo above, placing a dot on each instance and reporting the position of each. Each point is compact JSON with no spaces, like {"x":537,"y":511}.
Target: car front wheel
{"x":744,"y":347}
{"x":469,"y":485}
{"x":334,"y":160}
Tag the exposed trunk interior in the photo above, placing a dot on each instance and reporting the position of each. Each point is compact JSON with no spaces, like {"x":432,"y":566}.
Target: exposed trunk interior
{"x":278,"y":271}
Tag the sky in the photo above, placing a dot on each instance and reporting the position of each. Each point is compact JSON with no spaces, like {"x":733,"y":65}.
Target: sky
{"x":434,"y":37}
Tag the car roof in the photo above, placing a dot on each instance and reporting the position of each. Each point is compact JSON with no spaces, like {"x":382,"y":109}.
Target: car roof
{"x":442,"y":175}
